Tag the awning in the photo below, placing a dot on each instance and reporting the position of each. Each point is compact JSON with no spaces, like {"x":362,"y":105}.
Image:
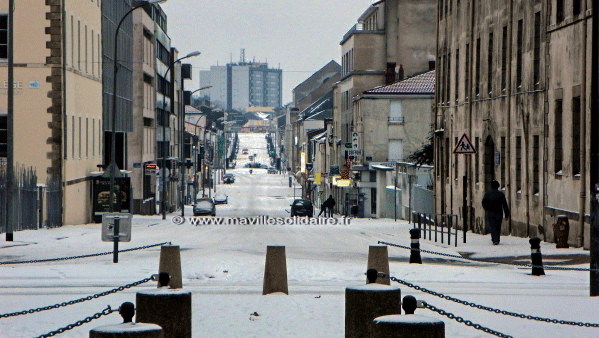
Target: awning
{"x":381,"y":167}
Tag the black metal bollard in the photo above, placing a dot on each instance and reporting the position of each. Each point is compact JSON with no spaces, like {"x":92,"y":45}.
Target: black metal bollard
{"x":415,"y":252}
{"x":127,"y":311}
{"x":371,"y":276}
{"x":536,"y":256}
{"x":409,"y":304}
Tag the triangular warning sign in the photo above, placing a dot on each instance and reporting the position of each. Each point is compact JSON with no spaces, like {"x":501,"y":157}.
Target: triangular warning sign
{"x":464,"y":146}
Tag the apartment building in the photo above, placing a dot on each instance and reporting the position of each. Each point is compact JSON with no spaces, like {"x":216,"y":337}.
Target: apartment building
{"x":237,"y":86}
{"x":515,"y":77}
{"x":58,"y":117}
{"x":393,"y":39}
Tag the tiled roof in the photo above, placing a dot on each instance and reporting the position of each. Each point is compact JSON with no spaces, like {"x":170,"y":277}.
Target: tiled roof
{"x":419,"y":84}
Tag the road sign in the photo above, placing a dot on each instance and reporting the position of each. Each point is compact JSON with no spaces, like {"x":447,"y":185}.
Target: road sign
{"x":464,"y":146}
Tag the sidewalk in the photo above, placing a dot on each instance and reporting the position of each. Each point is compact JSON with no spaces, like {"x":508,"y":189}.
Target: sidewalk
{"x":511,"y":250}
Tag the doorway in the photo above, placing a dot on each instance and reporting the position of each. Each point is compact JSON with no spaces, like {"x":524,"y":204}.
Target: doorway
{"x":489,"y":164}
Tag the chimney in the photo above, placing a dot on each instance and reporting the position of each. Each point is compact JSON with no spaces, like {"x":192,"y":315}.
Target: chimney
{"x":400,"y":73}
{"x":390,"y":73}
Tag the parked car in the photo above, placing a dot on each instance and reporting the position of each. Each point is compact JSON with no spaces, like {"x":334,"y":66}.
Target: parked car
{"x":271,"y":170}
{"x":229,"y":178}
{"x":204,"y":207}
{"x":244,"y":151}
{"x":221,"y":199}
{"x":301,"y":207}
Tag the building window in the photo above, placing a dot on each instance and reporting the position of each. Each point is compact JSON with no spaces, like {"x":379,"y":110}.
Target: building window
{"x":576,"y":135}
{"x":559,"y":11}
{"x":477,"y":69}
{"x":79,"y":44}
{"x":72,"y":41}
{"x":448,"y":77}
{"x":537,"y":50}
{"x":73,"y":137}
{"x":455,"y":163}
{"x":395,"y":150}
{"x":3,"y":36}
{"x":518,"y":163}
{"x":93,"y":53}
{"x":93,"y":137}
{"x":576,"y":7}
{"x":86,"y":137}
{"x":80,"y":137}
{"x":467,"y":73}
{"x":457,"y":75}
{"x":476,"y":160}
{"x":446,"y":155}
{"x":504,"y":59}
{"x":557,"y":165}
{"x":373,"y":201}
{"x":3,"y":136}
{"x":536,"y":162}
{"x":490,"y":65}
{"x":85,"y":41}
{"x":502,"y":159}
{"x":519,"y":52}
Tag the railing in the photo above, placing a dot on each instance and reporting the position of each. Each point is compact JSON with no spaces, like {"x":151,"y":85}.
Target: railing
{"x":397,"y":119}
{"x":439,"y":225}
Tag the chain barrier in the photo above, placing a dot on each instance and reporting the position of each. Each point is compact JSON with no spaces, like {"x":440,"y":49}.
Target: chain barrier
{"x":108,"y":310}
{"x":76,"y":301}
{"x":522,"y":265}
{"x":487,"y":308}
{"x":464,"y":321}
{"x":81,"y":256}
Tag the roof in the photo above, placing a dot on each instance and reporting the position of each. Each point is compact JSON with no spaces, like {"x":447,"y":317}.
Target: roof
{"x":322,"y":104}
{"x":420,"y":84}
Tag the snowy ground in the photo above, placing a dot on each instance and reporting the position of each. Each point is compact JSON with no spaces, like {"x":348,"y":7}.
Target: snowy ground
{"x":223,"y":267}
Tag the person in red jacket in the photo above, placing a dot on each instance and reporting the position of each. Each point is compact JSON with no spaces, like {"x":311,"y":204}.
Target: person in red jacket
{"x":496,"y":208}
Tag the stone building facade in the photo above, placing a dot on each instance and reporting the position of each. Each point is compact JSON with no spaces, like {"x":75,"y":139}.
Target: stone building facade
{"x":514,"y":76}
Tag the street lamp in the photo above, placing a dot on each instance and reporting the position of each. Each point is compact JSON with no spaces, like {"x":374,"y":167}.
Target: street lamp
{"x":163,"y":193}
{"x":182,"y":151}
{"x":113,"y":169}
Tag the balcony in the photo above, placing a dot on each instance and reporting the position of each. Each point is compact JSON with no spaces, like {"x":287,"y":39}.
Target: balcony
{"x":397,"y":120}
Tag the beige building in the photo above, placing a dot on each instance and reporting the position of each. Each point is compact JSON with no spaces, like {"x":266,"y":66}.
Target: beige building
{"x":515,"y":77}
{"x":58,"y":95}
{"x":141,"y":145}
{"x":391,"y":40}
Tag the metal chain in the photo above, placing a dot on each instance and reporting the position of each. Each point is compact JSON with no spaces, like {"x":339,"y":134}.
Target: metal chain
{"x":486,"y":308}
{"x":76,"y":301}
{"x":481,"y":261}
{"x":465,"y":322}
{"x":81,"y":256}
{"x":108,"y":310}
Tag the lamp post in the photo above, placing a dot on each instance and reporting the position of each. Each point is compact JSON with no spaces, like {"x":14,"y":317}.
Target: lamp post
{"x":182,"y":150}
{"x":164,"y":119}
{"x":113,"y":169}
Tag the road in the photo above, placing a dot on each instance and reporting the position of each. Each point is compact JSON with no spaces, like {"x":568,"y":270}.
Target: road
{"x":223,"y":267}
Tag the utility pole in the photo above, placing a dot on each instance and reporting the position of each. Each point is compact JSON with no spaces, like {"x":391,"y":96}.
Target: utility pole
{"x":594,"y":155}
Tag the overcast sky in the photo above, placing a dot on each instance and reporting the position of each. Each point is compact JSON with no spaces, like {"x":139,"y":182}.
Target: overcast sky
{"x":299,"y":36}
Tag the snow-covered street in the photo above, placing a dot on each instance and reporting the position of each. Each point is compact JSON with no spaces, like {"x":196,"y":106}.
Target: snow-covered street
{"x":223,"y":267}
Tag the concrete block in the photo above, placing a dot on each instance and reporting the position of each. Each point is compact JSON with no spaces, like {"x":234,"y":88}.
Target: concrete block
{"x":275,"y":270}
{"x":408,"y":326}
{"x":170,"y":262}
{"x":378,"y":259}
{"x":365,"y":303}
{"x":168,"y":308}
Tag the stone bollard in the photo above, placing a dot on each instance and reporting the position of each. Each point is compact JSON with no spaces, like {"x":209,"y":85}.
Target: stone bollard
{"x":415,"y":252}
{"x":275,"y":270}
{"x":366,"y":302}
{"x":536,"y":257}
{"x":169,"y":308}
{"x":127,"y":328}
{"x":408,"y":326}
{"x":170,"y":262}
{"x":378,"y":259}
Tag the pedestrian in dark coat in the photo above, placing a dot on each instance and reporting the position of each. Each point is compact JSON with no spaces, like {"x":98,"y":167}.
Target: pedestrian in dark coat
{"x":496,"y":208}
{"x":329,"y":204}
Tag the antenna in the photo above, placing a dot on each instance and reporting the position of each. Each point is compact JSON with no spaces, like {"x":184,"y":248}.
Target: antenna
{"x":242,"y":57}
